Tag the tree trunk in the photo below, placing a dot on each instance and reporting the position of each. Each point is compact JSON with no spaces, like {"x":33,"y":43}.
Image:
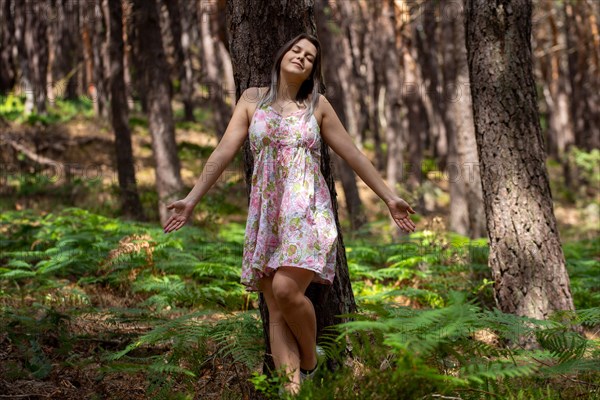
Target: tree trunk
{"x":19,"y":15}
{"x":160,"y":114}
{"x":553,"y":64}
{"x":131,"y":206}
{"x":337,"y":72}
{"x":426,"y":45}
{"x":257,"y":31}
{"x":179,"y":56}
{"x":526,"y":257}
{"x":36,"y":46}
{"x":187,"y":11}
{"x":213,"y":79}
{"x":99,"y":60}
{"x":7,"y":31}
{"x":418,"y":120}
{"x":467,"y":215}
{"x":65,"y":48}
{"x":583,"y":44}
{"x":137,"y":75}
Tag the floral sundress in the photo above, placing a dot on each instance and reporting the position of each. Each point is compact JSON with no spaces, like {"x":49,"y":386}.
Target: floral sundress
{"x":290,"y":216}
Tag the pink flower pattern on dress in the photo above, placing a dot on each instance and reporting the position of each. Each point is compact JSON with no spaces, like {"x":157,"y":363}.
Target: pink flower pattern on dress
{"x":290,"y":217}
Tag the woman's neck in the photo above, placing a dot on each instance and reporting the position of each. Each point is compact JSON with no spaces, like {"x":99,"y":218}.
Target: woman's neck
{"x":287,"y":90}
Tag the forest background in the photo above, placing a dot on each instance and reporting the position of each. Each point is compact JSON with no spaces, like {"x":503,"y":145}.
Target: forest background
{"x":109,"y":110}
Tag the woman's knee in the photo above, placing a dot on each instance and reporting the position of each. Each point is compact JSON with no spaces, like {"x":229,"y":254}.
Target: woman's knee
{"x":286,"y":294}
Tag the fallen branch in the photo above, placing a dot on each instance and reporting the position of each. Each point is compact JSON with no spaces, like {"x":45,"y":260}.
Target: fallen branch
{"x":32,"y":156}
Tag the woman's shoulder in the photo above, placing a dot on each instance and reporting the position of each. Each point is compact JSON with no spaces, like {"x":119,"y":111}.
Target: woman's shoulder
{"x":252,"y":94}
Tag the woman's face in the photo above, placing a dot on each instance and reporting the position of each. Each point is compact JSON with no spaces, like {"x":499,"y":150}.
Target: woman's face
{"x":299,"y":59}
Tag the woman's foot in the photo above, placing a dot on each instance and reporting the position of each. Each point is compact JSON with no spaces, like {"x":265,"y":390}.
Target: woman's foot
{"x":308,"y":374}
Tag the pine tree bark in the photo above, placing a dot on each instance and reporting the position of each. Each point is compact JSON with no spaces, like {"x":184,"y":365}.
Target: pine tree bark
{"x":257,"y":30}
{"x":526,"y":257}
{"x":160,"y":115}
{"x":131,"y":206}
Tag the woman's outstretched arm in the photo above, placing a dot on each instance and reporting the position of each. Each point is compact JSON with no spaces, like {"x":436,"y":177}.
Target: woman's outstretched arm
{"x":230,"y":143}
{"x":340,"y":141}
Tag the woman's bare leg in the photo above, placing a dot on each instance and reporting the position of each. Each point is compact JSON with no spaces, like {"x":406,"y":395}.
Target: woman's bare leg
{"x":289,"y":285}
{"x":284,"y":347}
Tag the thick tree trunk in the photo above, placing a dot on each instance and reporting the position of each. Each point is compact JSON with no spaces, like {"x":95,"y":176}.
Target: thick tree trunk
{"x":526,"y":257}
{"x":131,"y":206}
{"x":160,"y":114}
{"x":257,"y":31}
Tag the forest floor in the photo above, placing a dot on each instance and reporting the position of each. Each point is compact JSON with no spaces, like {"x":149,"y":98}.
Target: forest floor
{"x":78,"y":170}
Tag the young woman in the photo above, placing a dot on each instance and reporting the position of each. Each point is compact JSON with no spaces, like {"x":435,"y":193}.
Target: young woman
{"x":291,"y":234}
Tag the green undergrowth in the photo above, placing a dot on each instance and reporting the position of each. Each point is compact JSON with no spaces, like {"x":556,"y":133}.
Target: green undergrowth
{"x":59,"y":110}
{"x":427,"y":326}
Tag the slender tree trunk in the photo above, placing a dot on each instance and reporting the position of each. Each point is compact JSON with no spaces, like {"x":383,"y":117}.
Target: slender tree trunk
{"x":160,"y":114}
{"x":253,"y":44}
{"x":131,"y":206}
{"x":176,"y":30}
{"x":99,"y":59}
{"x":467,"y":215}
{"x":65,"y":48}
{"x":526,"y":257}
{"x":337,"y":73}
{"x":459,"y":207}
{"x":583,"y":44}
{"x":187,"y":11}
{"x":7,"y":31}
{"x":137,"y":71}
{"x":417,"y":119}
{"x":557,"y":88}
{"x":19,"y":15}
{"x":469,"y":170}
{"x":213,"y":79}
{"x":389,"y":68}
{"x":36,"y":46}
{"x":426,"y":34}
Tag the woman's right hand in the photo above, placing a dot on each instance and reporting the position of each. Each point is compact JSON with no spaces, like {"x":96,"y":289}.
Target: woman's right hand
{"x":182,"y":210}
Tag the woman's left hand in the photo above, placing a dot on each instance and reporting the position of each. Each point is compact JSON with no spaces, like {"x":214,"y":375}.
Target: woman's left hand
{"x":400,"y":211}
